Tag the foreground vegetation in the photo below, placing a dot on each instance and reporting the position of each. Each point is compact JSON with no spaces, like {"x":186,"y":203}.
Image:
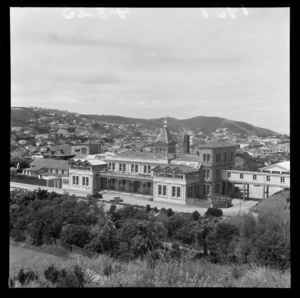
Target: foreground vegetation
{"x":146,"y":247}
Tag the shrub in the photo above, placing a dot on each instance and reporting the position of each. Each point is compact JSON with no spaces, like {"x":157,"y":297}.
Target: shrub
{"x":170,"y":212}
{"x":107,"y":270}
{"x":148,"y":208}
{"x":51,"y":274}
{"x":155,"y":209}
{"x":195,"y":215}
{"x":214,"y":212}
{"x":25,"y":277}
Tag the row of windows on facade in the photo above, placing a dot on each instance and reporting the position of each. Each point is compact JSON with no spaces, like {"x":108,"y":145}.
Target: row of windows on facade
{"x":134,"y":168}
{"x":112,"y":182}
{"x":162,"y":191}
{"x":226,"y":157}
{"x":277,"y":172}
{"x":254,"y":177}
{"x":56,"y":171}
{"x":83,"y":150}
{"x":85,"y":181}
{"x":81,"y":167}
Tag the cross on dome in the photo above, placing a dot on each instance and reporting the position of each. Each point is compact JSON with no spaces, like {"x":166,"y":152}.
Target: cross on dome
{"x":165,"y":123}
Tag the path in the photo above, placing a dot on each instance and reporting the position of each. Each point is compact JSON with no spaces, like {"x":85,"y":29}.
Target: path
{"x":239,"y":206}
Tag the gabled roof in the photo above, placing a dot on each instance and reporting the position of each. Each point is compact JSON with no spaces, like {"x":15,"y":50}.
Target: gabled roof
{"x":93,"y":162}
{"x":285,"y":165}
{"x":183,"y":168}
{"x":50,"y":163}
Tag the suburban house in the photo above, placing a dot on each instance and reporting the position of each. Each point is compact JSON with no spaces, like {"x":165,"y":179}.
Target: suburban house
{"x":48,"y":169}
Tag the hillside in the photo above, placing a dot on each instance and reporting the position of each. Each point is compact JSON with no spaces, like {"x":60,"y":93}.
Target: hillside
{"x":207,"y":125}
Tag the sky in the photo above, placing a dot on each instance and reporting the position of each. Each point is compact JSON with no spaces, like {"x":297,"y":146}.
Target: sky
{"x":154,"y":62}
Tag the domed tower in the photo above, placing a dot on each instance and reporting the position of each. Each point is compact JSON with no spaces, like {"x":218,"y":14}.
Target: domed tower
{"x":164,"y":142}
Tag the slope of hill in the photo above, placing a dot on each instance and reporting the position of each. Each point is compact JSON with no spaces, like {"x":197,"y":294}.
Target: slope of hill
{"x":21,"y":116}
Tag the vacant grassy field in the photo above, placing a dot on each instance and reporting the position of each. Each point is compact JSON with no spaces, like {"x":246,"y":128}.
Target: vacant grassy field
{"x":139,"y":274}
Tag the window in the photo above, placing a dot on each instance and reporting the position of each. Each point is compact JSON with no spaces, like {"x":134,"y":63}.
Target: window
{"x":124,"y":167}
{"x":77,"y":180}
{"x":225,"y":157}
{"x":145,"y":169}
{"x":285,"y":173}
{"x":208,"y":157}
{"x":218,"y":157}
{"x":228,"y":174}
{"x":268,"y":178}
{"x":73,"y":179}
{"x":120,"y":167}
{"x":169,"y":174}
{"x":204,"y":157}
{"x":241,"y":176}
{"x":164,"y":190}
{"x":136,"y":168}
{"x":218,"y":173}
{"x":275,"y":172}
{"x":178,"y":175}
{"x":282,"y":179}
{"x":159,"y":190}
{"x":83,"y":180}
{"x":87,"y":181}
{"x":132,"y":168}
{"x":178,"y":192}
{"x":113,"y":166}
{"x":109,"y":166}
{"x":173,"y":191}
{"x":206,"y":174}
{"x":149,"y":169}
{"x":254,"y":177}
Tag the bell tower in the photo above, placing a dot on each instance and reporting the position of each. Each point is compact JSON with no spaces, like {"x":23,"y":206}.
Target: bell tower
{"x":164,"y":143}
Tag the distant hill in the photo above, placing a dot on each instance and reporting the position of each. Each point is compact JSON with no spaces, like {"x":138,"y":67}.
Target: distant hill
{"x":207,"y":125}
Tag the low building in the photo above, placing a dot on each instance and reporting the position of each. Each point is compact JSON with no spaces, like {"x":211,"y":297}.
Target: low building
{"x":277,"y":168}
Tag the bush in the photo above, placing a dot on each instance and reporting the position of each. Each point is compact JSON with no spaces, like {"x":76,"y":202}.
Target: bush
{"x":148,"y":208}
{"x":25,"y":277}
{"x":51,"y":274}
{"x":170,"y":212}
{"x":214,"y":212}
{"x":195,"y":215}
{"x":155,"y":209}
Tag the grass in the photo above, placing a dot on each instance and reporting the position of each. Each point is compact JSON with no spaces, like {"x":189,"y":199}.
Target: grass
{"x":112,"y":273}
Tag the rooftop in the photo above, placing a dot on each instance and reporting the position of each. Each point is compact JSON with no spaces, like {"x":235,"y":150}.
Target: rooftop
{"x":50,"y":163}
{"x":165,"y":136}
{"x":217,"y":145}
{"x":184,"y":168}
{"x":143,"y":155}
{"x":93,"y":162}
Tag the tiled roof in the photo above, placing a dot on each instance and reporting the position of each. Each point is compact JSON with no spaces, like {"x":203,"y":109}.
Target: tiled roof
{"x":165,"y":137}
{"x":217,"y":145}
{"x":50,"y":163}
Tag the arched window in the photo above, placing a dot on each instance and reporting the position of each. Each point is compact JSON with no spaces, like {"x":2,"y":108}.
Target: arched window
{"x":87,"y":166}
{"x":160,"y":173}
{"x":169,"y":174}
{"x":74,"y":165}
{"x":178,"y":175}
{"x":80,"y":165}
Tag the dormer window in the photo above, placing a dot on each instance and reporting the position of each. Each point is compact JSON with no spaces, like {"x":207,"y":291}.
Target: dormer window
{"x":169,"y":174}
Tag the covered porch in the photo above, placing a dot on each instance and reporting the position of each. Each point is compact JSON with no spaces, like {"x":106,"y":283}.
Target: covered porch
{"x":129,"y":185}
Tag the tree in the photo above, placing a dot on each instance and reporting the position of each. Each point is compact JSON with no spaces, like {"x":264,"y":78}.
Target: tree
{"x":75,"y":234}
{"x":219,"y":241}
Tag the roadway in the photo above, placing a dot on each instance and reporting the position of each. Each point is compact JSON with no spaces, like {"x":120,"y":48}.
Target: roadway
{"x":239,"y":206}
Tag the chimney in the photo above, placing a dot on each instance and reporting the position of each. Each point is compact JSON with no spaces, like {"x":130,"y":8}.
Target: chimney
{"x":186,"y":144}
